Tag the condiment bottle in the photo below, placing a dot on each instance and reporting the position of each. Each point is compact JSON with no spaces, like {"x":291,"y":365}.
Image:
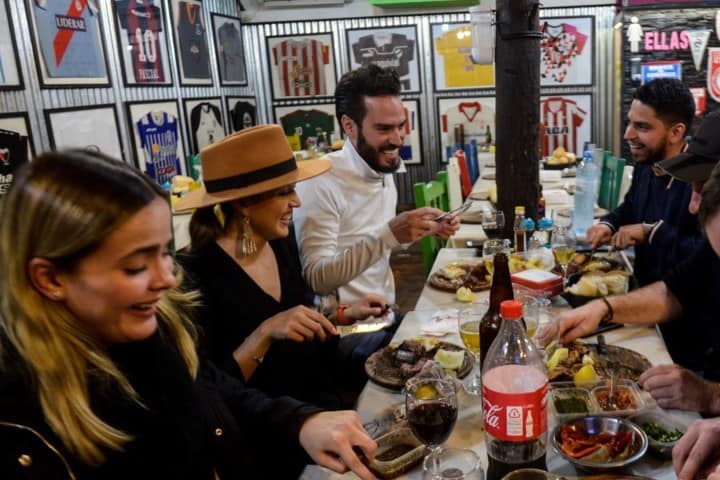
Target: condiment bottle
{"x":515,"y":391}
{"x":500,"y":290}
{"x":519,"y":231}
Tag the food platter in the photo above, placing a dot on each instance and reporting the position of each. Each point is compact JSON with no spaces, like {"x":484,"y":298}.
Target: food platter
{"x":383,"y":368}
{"x":471,"y":275}
{"x":629,"y":363}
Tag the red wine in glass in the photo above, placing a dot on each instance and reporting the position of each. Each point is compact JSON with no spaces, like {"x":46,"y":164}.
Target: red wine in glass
{"x":432,"y":422}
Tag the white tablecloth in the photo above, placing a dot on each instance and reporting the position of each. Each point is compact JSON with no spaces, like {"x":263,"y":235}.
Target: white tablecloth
{"x":468,"y":432}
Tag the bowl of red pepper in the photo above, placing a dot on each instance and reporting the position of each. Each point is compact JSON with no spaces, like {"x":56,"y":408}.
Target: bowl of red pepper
{"x":600,"y":443}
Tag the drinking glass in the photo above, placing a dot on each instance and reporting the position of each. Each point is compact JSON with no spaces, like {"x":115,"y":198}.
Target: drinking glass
{"x":562,"y":217}
{"x":469,"y":329}
{"x":538,"y":319}
{"x":563,"y":248}
{"x":454,"y":464}
{"x":493,"y":220}
{"x":431,"y":410}
{"x":491,"y":247}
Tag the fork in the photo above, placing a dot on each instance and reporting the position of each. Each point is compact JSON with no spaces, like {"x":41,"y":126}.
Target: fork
{"x":455,"y":211}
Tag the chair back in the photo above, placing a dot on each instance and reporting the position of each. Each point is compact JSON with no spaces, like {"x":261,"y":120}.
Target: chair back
{"x":431,"y":194}
{"x":611,"y":182}
{"x":464,"y":174}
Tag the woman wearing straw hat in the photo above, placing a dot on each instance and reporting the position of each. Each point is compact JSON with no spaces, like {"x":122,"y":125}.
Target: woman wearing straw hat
{"x":256,"y":314}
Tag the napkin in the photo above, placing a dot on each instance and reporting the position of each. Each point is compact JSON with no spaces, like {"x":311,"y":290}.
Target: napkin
{"x":440,"y":323}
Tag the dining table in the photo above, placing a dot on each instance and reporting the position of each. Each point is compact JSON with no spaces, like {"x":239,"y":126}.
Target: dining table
{"x":375,"y":400}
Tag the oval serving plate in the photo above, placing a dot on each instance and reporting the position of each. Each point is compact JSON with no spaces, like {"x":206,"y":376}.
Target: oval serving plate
{"x":381,"y":369}
{"x":439,"y":282}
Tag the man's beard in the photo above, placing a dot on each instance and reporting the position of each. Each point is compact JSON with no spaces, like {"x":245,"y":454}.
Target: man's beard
{"x":371,"y":155}
{"x":654,"y":156}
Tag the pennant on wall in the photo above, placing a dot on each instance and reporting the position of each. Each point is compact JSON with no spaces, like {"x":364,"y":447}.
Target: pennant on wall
{"x":713,"y":73}
{"x":698,"y":42}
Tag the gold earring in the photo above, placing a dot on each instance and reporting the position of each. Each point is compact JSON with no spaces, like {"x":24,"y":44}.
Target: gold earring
{"x":245,"y":245}
{"x":56,"y":294}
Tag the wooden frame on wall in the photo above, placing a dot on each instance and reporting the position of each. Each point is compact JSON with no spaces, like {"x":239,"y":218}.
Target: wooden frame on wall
{"x":73,"y":55}
{"x":204,"y":120}
{"x":241,"y":112}
{"x":74,"y":127}
{"x":230,"y":50}
{"x":192,"y":50}
{"x":567,"y":51}
{"x":142,"y":42}
{"x":475,"y":114}
{"x":452,"y":67}
{"x":157,"y":138}
{"x":19,"y":122}
{"x":10,"y":75}
{"x":566,"y":121}
{"x":308,"y":118}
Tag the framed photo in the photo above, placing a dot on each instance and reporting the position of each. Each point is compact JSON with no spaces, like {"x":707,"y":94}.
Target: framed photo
{"x":242,"y":112}
{"x":191,"y":45}
{"x":156,"y":139}
{"x":566,"y":121}
{"x":464,"y":119}
{"x":204,"y":119}
{"x":10,"y":75}
{"x":301,"y":66}
{"x":230,"y":54}
{"x":411,"y":150}
{"x":389,"y":47}
{"x":452,"y":64}
{"x":68,"y":41}
{"x":307,"y":121}
{"x":16,"y":148}
{"x":567,"y":51}
{"x":94,"y":128}
{"x":142,"y":42}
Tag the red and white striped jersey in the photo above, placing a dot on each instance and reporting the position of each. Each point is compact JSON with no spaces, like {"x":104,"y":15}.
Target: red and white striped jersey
{"x":300,"y":67}
{"x":560,"y":119}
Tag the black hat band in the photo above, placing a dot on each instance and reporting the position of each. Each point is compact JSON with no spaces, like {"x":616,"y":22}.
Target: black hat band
{"x":250,"y":178}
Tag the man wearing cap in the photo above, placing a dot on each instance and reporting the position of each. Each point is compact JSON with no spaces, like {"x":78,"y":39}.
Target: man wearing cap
{"x":347,"y":225}
{"x":692,"y":283}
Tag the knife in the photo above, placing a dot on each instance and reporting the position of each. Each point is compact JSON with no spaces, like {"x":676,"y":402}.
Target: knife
{"x":366,"y":326}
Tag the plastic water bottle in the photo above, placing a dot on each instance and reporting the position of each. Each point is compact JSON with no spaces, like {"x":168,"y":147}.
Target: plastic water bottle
{"x":586,"y":182}
{"x":515,"y":391}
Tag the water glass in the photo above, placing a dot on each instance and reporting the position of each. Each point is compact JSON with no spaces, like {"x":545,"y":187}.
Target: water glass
{"x":453,"y":464}
{"x":493,"y":220}
{"x":537,"y":319}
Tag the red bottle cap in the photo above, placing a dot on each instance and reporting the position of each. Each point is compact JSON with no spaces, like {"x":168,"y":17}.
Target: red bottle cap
{"x":511,"y":309}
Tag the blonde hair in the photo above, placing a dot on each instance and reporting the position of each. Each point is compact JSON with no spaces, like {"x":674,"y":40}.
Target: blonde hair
{"x":61,"y":207}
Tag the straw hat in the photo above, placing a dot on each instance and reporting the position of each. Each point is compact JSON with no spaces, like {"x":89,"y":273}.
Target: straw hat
{"x":251,"y":161}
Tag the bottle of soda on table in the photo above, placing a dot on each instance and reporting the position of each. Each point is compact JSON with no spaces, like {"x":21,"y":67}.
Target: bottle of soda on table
{"x":515,"y":394}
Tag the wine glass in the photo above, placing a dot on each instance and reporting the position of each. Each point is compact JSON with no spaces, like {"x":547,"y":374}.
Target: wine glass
{"x":563,"y":248}
{"x":431,"y":409}
{"x":469,"y":329}
{"x":453,"y":464}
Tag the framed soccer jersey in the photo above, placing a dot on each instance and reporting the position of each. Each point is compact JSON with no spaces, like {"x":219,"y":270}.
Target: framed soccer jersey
{"x":308,"y":121}
{"x":10,"y":75}
{"x":16,"y":146}
{"x":204,"y":119}
{"x":301,"y":66}
{"x":567,"y":51}
{"x":94,"y":129}
{"x":452,"y":62}
{"x":394,"y":48}
{"x":242,"y":112}
{"x":229,"y":46}
{"x":142,"y":42}
{"x":191,"y":44}
{"x":471,"y":118}
{"x":565,"y":121}
{"x":67,"y":36}
{"x":156,"y":138}
{"x":410,"y":151}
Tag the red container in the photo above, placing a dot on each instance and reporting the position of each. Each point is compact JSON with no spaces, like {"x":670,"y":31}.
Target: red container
{"x":538,"y":282}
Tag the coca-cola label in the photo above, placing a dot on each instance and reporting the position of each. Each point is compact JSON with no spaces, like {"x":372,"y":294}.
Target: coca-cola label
{"x":515,"y":417}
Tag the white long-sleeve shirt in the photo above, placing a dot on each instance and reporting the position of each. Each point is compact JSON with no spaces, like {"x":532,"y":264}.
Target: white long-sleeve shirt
{"x":342,"y":229}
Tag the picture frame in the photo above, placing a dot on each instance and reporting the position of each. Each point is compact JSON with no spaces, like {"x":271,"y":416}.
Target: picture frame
{"x":157,"y":139}
{"x":19,"y":122}
{"x":475,"y":114}
{"x":73,"y":127}
{"x":391,"y":47}
{"x":308,"y":118}
{"x":566,"y":121}
{"x":411,"y":150}
{"x":142,"y":42}
{"x":16,"y":146}
{"x":453,"y":68}
{"x":230,"y":50}
{"x":192,"y":50}
{"x":204,"y":121}
{"x":567,"y":51}
{"x":10,"y":75}
{"x":72,"y":55}
{"x":292,"y":79}
{"x":241,"y":112}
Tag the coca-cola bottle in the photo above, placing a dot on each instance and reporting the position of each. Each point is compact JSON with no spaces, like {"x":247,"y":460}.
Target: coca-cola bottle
{"x":500,"y":290}
{"x":515,"y":390}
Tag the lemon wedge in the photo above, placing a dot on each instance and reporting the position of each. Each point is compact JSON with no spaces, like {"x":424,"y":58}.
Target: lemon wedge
{"x":464,"y":294}
{"x":585,"y":375}
{"x":426,"y":392}
{"x":561,"y":354}
{"x":450,"y":359}
{"x":550,"y":346}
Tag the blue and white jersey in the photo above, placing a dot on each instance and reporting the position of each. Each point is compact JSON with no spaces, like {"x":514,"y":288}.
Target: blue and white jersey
{"x":69,"y":35}
{"x":159,"y":139}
